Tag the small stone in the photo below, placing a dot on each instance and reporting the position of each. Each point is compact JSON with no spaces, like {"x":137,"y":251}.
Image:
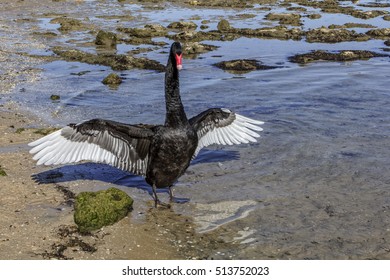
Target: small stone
{"x":55,"y":97}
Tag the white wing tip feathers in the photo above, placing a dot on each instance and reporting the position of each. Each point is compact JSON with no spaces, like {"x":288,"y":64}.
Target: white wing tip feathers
{"x":56,"y":149}
{"x":242,"y":130}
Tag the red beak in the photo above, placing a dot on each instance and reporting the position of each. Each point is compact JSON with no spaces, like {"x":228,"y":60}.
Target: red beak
{"x":179,"y":57}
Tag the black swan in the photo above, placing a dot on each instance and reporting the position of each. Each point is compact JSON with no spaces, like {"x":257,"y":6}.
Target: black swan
{"x":160,"y":153}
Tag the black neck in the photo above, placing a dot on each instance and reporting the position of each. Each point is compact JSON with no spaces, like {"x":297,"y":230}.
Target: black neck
{"x":175,"y":115}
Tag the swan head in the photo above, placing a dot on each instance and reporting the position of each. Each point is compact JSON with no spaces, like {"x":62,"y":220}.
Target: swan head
{"x":177,"y":54}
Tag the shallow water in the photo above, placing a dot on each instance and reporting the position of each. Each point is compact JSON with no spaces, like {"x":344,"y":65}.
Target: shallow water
{"x":318,"y":178}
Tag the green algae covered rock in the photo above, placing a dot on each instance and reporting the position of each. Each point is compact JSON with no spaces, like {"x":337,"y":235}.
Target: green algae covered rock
{"x":112,"y":79}
{"x":94,"y":210}
{"x":2,"y":172}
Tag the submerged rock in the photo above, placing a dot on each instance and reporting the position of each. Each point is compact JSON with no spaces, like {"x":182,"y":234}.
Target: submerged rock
{"x":94,"y":210}
{"x":106,"y":39}
{"x":346,"y":55}
{"x":242,"y":65}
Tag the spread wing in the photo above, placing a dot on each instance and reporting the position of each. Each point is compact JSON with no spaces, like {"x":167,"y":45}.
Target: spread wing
{"x":121,"y":145}
{"x":224,"y":127}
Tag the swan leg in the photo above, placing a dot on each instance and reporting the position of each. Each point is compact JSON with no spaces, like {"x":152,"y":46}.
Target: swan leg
{"x":176,"y":199}
{"x":171,"y":198}
{"x":157,"y":202}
